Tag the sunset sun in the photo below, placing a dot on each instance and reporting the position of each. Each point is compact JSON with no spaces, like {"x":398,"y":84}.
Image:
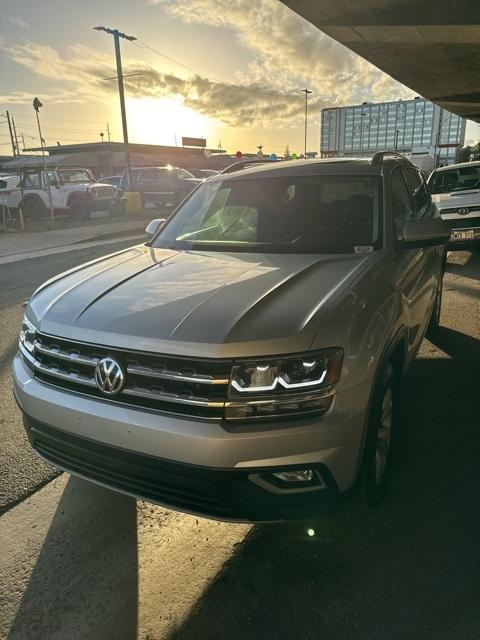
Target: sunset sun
{"x":165,"y":121}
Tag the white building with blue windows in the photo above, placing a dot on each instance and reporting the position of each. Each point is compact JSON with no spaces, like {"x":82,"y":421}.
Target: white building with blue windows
{"x":410,"y":126}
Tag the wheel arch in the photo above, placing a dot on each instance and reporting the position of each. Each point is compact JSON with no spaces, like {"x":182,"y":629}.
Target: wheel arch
{"x":395,"y":352}
{"x":77,"y":196}
{"x":31,"y":197}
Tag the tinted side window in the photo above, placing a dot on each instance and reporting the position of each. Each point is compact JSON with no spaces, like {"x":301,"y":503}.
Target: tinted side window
{"x":418,"y":192}
{"x":401,"y":205}
{"x":151,"y":174}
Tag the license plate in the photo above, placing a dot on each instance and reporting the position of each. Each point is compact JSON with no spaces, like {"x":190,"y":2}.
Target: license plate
{"x":469,"y":234}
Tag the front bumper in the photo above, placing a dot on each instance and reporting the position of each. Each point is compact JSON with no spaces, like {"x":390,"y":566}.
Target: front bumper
{"x":206,"y":467}
{"x":101,"y":204}
{"x":224,"y":494}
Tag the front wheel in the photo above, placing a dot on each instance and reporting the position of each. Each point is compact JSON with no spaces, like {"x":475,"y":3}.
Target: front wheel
{"x":78,"y":210}
{"x":381,"y":430}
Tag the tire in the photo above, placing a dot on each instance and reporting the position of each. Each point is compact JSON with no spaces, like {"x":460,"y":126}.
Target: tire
{"x":380,"y":436}
{"x":34,"y":209}
{"x":78,"y":210}
{"x":437,"y":310}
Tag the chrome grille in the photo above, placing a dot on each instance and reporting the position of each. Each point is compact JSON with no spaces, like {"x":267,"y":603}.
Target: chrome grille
{"x":103,"y":192}
{"x":196,"y":387}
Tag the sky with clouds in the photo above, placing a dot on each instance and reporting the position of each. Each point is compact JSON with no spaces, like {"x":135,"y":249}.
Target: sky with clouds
{"x":230,"y":71}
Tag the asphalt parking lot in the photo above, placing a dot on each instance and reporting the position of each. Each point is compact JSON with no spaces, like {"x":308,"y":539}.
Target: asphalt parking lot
{"x":79,"y":562}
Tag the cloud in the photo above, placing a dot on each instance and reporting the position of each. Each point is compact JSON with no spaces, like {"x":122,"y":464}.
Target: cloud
{"x":17,"y":21}
{"x":26,"y":97}
{"x":85,"y":69}
{"x":292,"y":53}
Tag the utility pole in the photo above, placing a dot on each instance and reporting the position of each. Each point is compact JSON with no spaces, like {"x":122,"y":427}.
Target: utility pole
{"x":396,"y":138}
{"x":108,"y":132}
{"x":36,"y":105}
{"x":116,"y":39}
{"x":15,"y":135}
{"x":11,"y":134}
{"x":306,"y":92}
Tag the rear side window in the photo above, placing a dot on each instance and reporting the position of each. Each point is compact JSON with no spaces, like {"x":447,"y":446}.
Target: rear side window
{"x":151,"y":174}
{"x":418,"y":192}
{"x":3,"y":184}
{"x":401,"y":205}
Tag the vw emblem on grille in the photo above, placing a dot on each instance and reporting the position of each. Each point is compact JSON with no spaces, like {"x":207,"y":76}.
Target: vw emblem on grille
{"x":464,"y":211}
{"x":109,"y":376}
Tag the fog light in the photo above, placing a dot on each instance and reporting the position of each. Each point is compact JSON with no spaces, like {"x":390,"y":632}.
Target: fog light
{"x":300,"y":475}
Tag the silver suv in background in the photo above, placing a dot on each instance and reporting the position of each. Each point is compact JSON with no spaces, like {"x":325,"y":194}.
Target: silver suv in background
{"x":243,"y":364}
{"x":455,"y":191}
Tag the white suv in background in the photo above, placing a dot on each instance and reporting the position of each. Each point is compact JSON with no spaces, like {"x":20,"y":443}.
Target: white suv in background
{"x":72,"y":190}
{"x":455,"y":191}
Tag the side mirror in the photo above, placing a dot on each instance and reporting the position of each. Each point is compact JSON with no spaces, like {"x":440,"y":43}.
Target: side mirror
{"x":154,"y":226}
{"x":424,"y":232}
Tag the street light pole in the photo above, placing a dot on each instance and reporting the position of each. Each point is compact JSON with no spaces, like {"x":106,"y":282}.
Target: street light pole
{"x":116,"y":39}
{"x":306,"y":92}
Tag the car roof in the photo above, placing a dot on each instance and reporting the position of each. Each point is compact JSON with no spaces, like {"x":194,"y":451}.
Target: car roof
{"x":329,"y":166}
{"x":459,"y":165}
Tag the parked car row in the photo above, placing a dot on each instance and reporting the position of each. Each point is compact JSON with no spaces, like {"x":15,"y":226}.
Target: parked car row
{"x":77,"y":192}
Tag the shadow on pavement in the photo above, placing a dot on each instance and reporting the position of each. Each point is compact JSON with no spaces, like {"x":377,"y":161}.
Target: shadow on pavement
{"x":467,"y":270}
{"x":84,"y":583}
{"x":407,"y":570}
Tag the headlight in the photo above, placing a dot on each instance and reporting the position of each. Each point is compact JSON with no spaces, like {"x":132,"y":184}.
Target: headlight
{"x":284,"y":386}
{"x":27,"y":335}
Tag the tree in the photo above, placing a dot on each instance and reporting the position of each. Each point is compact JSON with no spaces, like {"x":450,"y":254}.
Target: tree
{"x":465,"y":153}
{"x":475,"y":155}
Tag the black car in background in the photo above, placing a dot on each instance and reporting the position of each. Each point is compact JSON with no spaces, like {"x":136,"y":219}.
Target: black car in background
{"x":161,"y":185}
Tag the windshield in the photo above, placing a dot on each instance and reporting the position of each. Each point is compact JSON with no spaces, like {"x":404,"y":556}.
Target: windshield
{"x":464,"y":179}
{"x":318,"y":214}
{"x":75,"y":175}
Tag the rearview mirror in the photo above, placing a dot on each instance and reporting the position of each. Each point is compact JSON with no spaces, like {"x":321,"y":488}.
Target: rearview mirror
{"x":424,"y":232}
{"x":154,"y":226}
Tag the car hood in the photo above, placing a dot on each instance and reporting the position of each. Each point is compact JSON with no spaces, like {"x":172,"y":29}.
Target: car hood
{"x":194,"y":302}
{"x":456,"y":199}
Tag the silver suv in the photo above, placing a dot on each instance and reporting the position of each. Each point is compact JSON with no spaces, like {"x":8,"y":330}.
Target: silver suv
{"x":244,"y":363}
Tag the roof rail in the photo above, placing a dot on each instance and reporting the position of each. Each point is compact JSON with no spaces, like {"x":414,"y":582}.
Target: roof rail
{"x":380,"y":155}
{"x":244,"y":163}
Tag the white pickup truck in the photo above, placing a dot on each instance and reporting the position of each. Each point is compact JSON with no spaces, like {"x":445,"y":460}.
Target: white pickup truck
{"x":72,"y":190}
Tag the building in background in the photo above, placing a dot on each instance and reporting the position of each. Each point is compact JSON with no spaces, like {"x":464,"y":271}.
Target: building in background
{"x":410,"y":126}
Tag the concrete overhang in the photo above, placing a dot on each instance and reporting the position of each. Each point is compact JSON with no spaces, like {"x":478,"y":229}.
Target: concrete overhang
{"x":431,"y":46}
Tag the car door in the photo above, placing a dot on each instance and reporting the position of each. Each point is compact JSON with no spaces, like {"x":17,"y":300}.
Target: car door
{"x":57,"y":191}
{"x":415,"y":267}
{"x":157,"y":185}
